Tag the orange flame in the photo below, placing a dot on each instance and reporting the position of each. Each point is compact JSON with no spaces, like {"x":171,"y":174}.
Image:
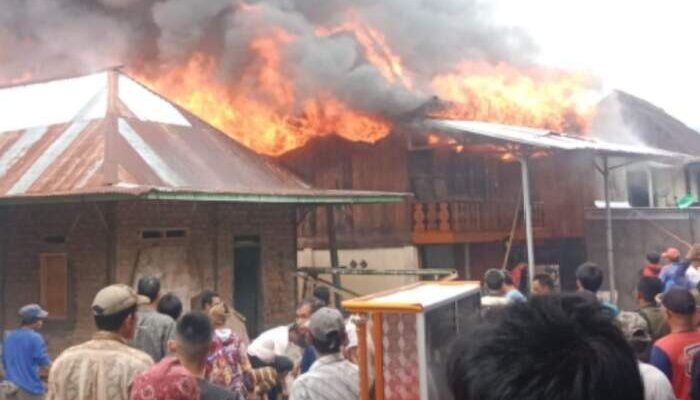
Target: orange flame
{"x":502,"y":93}
{"x":265,"y":111}
{"x":262,"y":111}
{"x":376,"y":48}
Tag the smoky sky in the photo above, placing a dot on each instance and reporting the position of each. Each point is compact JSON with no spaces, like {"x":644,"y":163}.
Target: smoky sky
{"x":57,"y":37}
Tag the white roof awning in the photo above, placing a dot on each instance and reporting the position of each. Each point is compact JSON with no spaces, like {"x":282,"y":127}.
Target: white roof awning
{"x":546,"y":139}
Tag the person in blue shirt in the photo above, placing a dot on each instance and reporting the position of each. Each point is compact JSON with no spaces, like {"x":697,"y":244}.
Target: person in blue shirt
{"x":512,"y":294}
{"x":24,"y":355}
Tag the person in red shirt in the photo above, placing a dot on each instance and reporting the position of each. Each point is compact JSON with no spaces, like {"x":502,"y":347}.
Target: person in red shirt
{"x":653,"y":267}
{"x":673,"y":354}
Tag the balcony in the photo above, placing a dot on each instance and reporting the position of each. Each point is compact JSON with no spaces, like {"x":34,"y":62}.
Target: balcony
{"x":470,"y":221}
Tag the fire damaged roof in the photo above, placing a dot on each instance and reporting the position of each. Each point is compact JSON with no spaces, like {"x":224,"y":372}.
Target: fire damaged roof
{"x":104,"y":136}
{"x":546,"y":139}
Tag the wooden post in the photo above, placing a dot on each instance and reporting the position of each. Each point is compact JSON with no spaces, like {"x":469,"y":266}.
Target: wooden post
{"x":333,"y":250}
{"x":378,"y":356}
{"x":364,"y":366}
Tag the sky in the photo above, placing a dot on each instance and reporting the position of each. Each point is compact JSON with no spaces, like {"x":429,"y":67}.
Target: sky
{"x":649,"y":48}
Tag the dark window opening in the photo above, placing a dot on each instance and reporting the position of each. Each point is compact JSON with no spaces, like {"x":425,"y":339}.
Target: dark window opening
{"x":151,"y":234}
{"x":175,"y":233}
{"x":55,"y":239}
{"x":167,"y":233}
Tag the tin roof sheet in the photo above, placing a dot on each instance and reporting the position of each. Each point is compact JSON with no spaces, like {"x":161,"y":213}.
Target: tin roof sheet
{"x":548,"y":139}
{"x":85,"y":135}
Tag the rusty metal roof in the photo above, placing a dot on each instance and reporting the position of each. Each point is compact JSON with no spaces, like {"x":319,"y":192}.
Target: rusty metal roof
{"x":550,"y":140}
{"x":105,"y":136}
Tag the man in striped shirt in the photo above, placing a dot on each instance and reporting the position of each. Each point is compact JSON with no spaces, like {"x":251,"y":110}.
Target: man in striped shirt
{"x":331,"y":377}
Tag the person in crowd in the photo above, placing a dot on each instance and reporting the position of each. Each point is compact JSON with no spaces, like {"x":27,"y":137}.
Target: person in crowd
{"x":494,"y":283}
{"x":674,"y":353}
{"x":323,"y":294}
{"x":331,"y":377}
{"x":351,"y":347}
{"x":170,"y":305}
{"x":303,"y":314}
{"x":653,"y":267}
{"x":270,"y":350}
{"x":542,"y":285}
{"x":193,"y":337}
{"x":168,"y":380}
{"x":512,"y":293}
{"x":236,"y":322}
{"x":227,"y":362}
{"x":589,"y":277}
{"x":153,"y":329}
{"x":103,"y":367}
{"x":559,"y":347}
{"x":692,"y":273}
{"x":648,"y":289}
{"x":24,"y":355}
{"x":520,"y":277}
{"x":673,"y":274}
{"x":636,"y":331}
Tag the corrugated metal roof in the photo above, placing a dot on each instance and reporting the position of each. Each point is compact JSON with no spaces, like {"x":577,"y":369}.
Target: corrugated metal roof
{"x":548,"y":139}
{"x":108,"y":136}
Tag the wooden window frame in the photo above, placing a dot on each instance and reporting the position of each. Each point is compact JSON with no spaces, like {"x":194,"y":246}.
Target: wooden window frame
{"x":44,"y":282}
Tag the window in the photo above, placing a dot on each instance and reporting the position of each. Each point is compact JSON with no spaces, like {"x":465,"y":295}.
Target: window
{"x":53,"y":275}
{"x":163,"y":233}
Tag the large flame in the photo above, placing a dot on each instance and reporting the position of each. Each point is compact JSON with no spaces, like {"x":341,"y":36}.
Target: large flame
{"x":376,"y":49}
{"x":531,"y":97}
{"x":263,"y":111}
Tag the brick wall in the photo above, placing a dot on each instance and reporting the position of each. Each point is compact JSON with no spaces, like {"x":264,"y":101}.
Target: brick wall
{"x":103,"y":240}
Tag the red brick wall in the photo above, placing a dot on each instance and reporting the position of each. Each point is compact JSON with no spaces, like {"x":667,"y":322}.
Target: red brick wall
{"x":87,"y":227}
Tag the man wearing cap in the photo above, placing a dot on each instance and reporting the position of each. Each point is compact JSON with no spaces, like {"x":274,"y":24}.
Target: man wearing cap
{"x":153,"y":329}
{"x":674,"y":353}
{"x":104,"y":367}
{"x":24,"y":354}
{"x":331,"y":377}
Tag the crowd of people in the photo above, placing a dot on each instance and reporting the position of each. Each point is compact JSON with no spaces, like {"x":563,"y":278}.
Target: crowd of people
{"x":581,"y":346}
{"x":538,"y":345}
{"x":144,"y":348}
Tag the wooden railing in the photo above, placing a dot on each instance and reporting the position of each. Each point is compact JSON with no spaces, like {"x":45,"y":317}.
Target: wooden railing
{"x":470,"y":216}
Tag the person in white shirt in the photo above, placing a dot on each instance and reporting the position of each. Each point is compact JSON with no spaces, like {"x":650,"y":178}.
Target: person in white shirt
{"x":656,"y":384}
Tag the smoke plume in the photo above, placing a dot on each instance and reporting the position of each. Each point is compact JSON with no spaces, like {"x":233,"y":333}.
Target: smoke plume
{"x":62,"y":37}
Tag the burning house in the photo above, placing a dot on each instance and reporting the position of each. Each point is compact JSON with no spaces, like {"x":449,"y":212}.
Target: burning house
{"x":102,"y":180}
{"x":338,"y":92}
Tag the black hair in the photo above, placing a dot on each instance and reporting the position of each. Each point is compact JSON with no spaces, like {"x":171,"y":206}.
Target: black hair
{"x":113,"y":322}
{"x":323,"y":293}
{"x":314,"y":302}
{"x":282,"y":364}
{"x":679,"y":301}
{"x":494,"y":279}
{"x":332,"y":343}
{"x":193,"y":333}
{"x":590,"y":276}
{"x":559,"y":347}
{"x":507,"y":278}
{"x":170,"y":305}
{"x":149,"y":286}
{"x":649,"y":287}
{"x":653,"y":258}
{"x":545,"y":280}
{"x":208,"y":297}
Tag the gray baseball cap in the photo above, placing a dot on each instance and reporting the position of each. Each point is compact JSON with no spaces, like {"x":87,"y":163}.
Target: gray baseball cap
{"x":115,"y":298}
{"x":32,"y":312}
{"x":324,"y":321}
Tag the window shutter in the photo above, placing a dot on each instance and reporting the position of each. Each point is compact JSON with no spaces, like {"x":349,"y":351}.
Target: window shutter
{"x":54,"y":284}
